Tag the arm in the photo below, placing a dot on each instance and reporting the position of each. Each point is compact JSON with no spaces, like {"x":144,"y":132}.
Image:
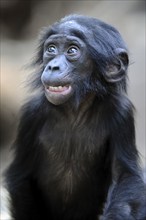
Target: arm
{"x":19,"y":176}
{"x":126,"y":197}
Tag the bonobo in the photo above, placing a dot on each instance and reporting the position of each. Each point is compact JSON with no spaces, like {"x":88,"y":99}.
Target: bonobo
{"x":75,"y":153}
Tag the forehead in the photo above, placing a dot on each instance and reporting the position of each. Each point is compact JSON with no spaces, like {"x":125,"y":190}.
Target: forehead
{"x":63,"y":38}
{"x":71,"y":27}
{"x":65,"y":32}
{"x":68,"y":28}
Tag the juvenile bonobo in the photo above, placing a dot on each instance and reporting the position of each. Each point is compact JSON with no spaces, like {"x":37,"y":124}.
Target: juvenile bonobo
{"x":75,"y":153}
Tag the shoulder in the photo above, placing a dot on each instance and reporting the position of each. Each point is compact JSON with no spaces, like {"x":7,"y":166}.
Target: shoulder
{"x":122,"y":114}
{"x":117,"y":109}
{"x":122,"y":105}
{"x":35,"y":106}
{"x":33,"y":113}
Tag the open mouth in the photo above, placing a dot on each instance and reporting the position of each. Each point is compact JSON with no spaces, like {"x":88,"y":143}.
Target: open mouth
{"x":59,"y":89}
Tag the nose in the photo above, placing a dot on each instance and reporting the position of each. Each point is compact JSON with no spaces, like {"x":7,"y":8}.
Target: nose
{"x":58,"y":64}
{"x":55,"y":64}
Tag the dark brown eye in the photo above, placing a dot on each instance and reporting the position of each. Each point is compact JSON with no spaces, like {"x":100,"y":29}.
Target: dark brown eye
{"x":52,"y":49}
{"x":73,"y":50}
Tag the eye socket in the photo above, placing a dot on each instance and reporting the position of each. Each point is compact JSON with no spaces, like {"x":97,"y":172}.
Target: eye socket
{"x":52,"y":49}
{"x":73,"y":50}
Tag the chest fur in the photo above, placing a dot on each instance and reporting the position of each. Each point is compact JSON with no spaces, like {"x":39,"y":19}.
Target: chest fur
{"x":71,"y":160}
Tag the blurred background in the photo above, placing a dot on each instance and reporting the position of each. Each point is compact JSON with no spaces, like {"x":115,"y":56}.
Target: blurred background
{"x":22,"y":20}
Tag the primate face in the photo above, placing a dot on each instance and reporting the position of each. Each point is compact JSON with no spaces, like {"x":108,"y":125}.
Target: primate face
{"x":66,"y":62}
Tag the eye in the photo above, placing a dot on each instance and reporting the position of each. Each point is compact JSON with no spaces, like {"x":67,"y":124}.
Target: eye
{"x":73,"y":50}
{"x":52,"y":49}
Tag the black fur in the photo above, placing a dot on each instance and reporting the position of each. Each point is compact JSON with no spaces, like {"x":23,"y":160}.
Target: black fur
{"x":78,"y":160}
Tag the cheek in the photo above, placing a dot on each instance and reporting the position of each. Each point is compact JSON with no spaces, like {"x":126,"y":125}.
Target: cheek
{"x":85,"y":68}
{"x":46,"y":59}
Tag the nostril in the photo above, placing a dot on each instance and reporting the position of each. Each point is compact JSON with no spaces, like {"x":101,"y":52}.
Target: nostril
{"x":55,"y":68}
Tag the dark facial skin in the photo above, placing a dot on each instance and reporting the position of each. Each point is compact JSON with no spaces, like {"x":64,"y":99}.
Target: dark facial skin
{"x":65,"y":58}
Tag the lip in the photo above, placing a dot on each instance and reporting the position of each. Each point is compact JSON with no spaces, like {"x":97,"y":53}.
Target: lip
{"x":56,"y":90}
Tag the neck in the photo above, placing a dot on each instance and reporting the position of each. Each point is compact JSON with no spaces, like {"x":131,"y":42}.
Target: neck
{"x":77,"y":114}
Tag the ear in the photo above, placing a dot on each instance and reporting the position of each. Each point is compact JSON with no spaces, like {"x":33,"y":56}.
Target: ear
{"x":116,"y":70}
{"x":123,"y":56}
